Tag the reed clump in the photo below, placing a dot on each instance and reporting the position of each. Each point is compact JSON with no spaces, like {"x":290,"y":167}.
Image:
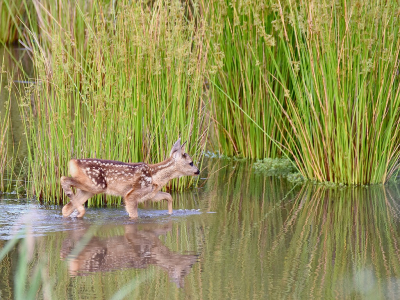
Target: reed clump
{"x":126,"y":94}
{"x":9,"y":10}
{"x":4,"y":130}
{"x":323,"y":75}
{"x":242,"y":34}
{"x":340,"y":71}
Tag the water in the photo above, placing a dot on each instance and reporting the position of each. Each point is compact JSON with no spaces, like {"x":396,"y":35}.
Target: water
{"x":240,"y":236}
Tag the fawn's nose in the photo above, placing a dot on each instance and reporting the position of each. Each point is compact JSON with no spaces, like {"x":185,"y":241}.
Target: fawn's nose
{"x":197,"y":172}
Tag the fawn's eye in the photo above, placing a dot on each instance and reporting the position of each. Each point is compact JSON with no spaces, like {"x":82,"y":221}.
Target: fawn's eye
{"x":191,"y":164}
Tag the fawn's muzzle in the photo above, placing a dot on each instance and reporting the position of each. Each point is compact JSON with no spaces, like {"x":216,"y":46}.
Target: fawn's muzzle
{"x":197,"y":172}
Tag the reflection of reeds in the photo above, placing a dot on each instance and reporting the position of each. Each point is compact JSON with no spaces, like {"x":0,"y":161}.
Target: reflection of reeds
{"x":337,"y":242}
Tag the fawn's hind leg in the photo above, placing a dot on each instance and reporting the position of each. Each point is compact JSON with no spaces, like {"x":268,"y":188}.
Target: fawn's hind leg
{"x":77,"y":203}
{"x":66,"y":183}
{"x":77,"y":200}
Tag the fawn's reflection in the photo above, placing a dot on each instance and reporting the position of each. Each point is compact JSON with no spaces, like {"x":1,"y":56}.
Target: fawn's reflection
{"x":139,"y":247}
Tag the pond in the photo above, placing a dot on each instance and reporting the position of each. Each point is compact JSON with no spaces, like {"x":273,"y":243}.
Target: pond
{"x":240,"y":235}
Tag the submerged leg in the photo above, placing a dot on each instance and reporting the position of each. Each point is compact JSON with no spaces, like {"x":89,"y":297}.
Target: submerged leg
{"x":131,"y":207}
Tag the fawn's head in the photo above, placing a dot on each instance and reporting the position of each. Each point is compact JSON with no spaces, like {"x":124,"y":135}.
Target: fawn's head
{"x":184,"y":163}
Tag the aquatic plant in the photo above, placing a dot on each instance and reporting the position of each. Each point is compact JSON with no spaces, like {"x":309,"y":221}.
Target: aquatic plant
{"x":5,"y":109}
{"x":319,"y":65}
{"x":239,"y":69}
{"x":274,"y":167}
{"x":343,"y":90}
{"x":9,"y":10}
{"x":127,"y":95}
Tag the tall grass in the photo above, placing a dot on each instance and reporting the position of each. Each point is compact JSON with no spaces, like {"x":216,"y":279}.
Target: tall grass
{"x":8,"y":20}
{"x":323,"y":75}
{"x":343,"y":95}
{"x":4,"y":130}
{"x":242,"y":36}
{"x":28,"y":278}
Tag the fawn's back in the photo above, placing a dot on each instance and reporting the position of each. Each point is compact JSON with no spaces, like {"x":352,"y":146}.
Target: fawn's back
{"x":109,"y":176}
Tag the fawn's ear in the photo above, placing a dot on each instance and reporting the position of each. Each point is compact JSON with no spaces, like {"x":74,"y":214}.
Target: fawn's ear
{"x":176,"y":149}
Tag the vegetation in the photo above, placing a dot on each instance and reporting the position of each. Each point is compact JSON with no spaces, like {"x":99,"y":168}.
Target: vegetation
{"x":343,"y":88}
{"x":242,"y":36}
{"x":4,"y":129}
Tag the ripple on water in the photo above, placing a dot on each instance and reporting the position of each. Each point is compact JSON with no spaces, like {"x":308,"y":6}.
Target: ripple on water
{"x":42,"y":220}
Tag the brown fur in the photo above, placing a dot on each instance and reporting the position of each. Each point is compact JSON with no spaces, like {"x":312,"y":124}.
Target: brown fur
{"x":136,"y":182}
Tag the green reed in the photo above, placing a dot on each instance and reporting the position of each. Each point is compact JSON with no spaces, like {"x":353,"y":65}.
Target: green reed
{"x":4,"y":122}
{"x":323,"y":76}
{"x":317,"y":82}
{"x":9,"y":10}
{"x":343,"y":90}
{"x":21,"y":18}
{"x":240,"y":71}
{"x":127,"y":93}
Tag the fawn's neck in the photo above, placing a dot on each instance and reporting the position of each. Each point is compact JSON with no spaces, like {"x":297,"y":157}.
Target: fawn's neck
{"x":163,"y":172}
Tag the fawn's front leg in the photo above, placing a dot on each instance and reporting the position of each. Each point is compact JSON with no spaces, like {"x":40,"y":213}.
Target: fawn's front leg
{"x":164,"y":196}
{"x":133,"y":197}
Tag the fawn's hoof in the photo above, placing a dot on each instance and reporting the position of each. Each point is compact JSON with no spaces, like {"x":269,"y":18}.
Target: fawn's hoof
{"x":81,"y":212}
{"x":68,"y":209}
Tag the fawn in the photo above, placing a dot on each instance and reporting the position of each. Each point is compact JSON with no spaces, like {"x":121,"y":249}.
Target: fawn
{"x":136,"y":182}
